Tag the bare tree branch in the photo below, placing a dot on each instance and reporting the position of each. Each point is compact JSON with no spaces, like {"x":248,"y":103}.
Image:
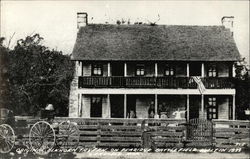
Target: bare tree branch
{"x":10,"y":40}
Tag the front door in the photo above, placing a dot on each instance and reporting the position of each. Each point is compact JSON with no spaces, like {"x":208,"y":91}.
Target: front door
{"x":117,"y":106}
{"x":194,"y":105}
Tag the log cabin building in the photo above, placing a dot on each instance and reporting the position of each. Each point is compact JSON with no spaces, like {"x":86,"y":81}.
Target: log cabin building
{"x":143,"y":69}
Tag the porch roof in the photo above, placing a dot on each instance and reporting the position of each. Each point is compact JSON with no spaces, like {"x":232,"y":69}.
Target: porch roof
{"x":159,"y":42}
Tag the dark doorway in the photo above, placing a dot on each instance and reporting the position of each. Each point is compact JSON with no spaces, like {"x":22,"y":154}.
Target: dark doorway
{"x":117,"y":68}
{"x":96,"y":106}
{"x":131,"y":104}
{"x":117,"y":106}
{"x":195,"y":69}
{"x":194,"y":105}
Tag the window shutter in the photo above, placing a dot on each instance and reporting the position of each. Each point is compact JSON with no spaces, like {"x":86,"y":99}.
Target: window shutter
{"x":86,"y":69}
{"x":85,"y":106}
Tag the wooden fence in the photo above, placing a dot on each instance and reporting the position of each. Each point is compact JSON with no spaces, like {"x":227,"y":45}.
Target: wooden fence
{"x":145,"y":133}
{"x":231,"y":133}
{"x":151,"y":133}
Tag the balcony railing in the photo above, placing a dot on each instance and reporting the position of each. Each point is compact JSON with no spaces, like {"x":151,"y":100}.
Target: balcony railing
{"x":153,"y":82}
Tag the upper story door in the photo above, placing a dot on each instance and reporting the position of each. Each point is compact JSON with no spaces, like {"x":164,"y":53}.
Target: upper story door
{"x":195,"y":69}
{"x":117,"y":69}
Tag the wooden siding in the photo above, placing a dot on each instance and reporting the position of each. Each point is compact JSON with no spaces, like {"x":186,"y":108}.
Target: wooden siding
{"x":223,"y":69}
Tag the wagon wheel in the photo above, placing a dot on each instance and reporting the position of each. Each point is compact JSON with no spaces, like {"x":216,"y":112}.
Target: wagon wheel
{"x":7,"y":138}
{"x":68,"y":135}
{"x":42,"y":137}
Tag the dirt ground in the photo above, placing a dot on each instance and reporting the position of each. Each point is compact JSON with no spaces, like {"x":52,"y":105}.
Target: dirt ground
{"x":129,"y":155}
{"x":178,"y":155}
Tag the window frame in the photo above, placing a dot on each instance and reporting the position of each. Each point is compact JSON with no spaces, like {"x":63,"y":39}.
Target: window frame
{"x":170,"y":68}
{"x":212,"y":68}
{"x":212,"y":108}
{"x":140,"y":67}
{"x":98,"y":66}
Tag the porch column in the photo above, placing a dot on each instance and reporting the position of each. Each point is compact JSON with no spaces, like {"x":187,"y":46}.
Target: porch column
{"x":108,"y":106}
{"x":125,"y":105}
{"x":156,"y":69}
{"x":202,"y":70}
{"x":79,"y":105}
{"x":187,"y":106}
{"x":109,"y":73}
{"x":233,"y":71}
{"x":125,"y":69}
{"x":202,"y":106}
{"x":79,"y":68}
{"x":234,"y":107}
{"x":187,"y":69}
{"x":156,"y":103}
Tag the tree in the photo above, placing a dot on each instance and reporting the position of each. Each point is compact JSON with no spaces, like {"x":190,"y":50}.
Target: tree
{"x":242,"y":83}
{"x":4,"y":79}
{"x":38,"y":76}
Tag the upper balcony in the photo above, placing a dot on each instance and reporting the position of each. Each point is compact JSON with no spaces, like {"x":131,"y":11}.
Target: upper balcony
{"x":170,"y":75}
{"x":154,"y":82}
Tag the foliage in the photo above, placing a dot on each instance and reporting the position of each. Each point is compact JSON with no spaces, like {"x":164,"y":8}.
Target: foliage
{"x":242,"y":82}
{"x":38,"y":76}
{"x":4,"y":82}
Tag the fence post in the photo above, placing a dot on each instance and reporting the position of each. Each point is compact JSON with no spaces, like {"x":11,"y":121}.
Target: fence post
{"x":142,"y":131}
{"x":147,"y":141}
{"x":98,"y":140}
{"x":213,"y":132}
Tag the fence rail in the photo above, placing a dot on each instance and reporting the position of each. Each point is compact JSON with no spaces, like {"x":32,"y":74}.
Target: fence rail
{"x":128,"y":132}
{"x":155,"y":132}
{"x":153,"y":82}
{"x":231,"y":133}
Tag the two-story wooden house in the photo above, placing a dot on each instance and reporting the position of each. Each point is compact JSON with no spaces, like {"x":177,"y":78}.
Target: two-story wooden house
{"x":142,"y":68}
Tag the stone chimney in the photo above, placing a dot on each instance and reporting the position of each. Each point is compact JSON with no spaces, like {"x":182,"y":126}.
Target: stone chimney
{"x":227,"y":22}
{"x":82,"y":19}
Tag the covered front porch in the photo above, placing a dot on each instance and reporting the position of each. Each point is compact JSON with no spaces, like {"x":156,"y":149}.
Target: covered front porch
{"x":158,"y":106}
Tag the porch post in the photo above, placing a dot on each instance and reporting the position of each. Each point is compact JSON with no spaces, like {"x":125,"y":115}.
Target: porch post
{"x":156,"y":103}
{"x":233,"y":71}
{"x":202,"y":69}
{"x":125,"y":69}
{"x":234,"y":107}
{"x":156,"y":69}
{"x":187,"y":69}
{"x":125,"y":105}
{"x":80,"y":105}
{"x":202,"y":106}
{"x":109,"y":73}
{"x":79,"y":68}
{"x":108,"y":106}
{"x":187,"y":106}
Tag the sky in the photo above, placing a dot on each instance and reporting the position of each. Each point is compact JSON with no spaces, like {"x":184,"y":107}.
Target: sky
{"x":56,"y":21}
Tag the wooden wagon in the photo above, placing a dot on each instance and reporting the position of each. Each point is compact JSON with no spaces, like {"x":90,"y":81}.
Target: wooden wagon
{"x":43,"y":135}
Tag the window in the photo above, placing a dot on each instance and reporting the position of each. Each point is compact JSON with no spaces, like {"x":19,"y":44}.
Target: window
{"x":96,"y":106}
{"x":169,"y":70}
{"x":140,"y":70}
{"x":212,"y":108}
{"x":97,"y":70}
{"x":212,"y":71}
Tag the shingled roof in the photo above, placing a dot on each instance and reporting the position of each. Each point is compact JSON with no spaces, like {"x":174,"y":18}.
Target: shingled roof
{"x":160,"y":42}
